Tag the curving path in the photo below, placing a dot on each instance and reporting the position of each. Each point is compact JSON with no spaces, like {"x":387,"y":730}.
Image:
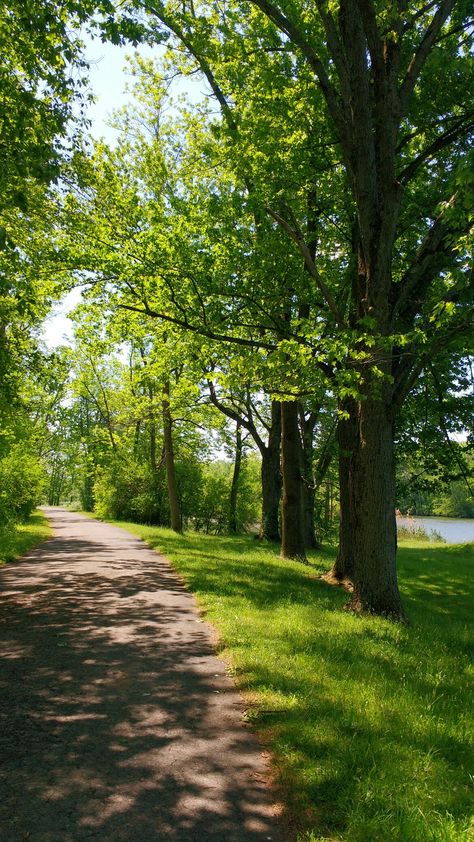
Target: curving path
{"x":117,"y":721}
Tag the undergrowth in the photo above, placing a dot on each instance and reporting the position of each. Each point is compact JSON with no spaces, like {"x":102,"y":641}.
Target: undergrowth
{"x":15,"y":540}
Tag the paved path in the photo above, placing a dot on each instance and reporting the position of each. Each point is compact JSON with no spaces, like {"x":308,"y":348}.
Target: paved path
{"x":117,"y":721}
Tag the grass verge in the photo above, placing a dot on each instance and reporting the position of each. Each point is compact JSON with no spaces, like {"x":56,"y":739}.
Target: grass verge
{"x":15,"y":541}
{"x":369,"y":722}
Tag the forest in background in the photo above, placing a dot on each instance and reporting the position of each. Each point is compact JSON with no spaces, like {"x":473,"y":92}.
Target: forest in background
{"x":281,"y":270}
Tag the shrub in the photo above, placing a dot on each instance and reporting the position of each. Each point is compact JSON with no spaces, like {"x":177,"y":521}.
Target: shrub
{"x":22,"y":483}
{"x":125,"y":490}
{"x":212,"y":510}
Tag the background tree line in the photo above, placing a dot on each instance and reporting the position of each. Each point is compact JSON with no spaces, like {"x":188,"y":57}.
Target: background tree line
{"x":295,"y":247}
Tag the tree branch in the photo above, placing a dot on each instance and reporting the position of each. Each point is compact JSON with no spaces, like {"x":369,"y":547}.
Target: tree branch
{"x":298,"y":238}
{"x":237,"y":417}
{"x":295,"y":35}
{"x":436,"y":247}
{"x":421,"y":55}
{"x":463,"y":126}
{"x":200,"y":331}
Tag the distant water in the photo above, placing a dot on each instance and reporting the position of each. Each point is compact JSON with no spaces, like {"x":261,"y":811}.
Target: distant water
{"x":454,"y":530}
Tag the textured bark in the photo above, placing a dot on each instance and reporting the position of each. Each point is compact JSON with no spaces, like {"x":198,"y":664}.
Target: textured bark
{"x":175,"y":510}
{"x":271,"y":478}
{"x":292,"y":540}
{"x":346,"y":440}
{"x":234,"y":489}
{"x":372,"y":505}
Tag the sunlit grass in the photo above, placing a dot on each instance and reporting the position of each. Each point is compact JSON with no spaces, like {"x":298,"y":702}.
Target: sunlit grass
{"x":14,"y":542}
{"x":369,"y":721}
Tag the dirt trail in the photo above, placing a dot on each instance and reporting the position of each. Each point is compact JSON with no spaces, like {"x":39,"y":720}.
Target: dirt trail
{"x":117,"y":721}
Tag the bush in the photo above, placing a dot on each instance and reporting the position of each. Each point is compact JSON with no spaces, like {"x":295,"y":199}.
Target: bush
{"x":125,"y":490}
{"x":411,"y":530}
{"x":212,"y":510}
{"x":457,"y":502}
{"x":22,"y":483}
{"x":190,"y":483}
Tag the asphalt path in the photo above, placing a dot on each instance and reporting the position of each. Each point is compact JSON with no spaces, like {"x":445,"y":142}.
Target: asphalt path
{"x":118,"y":723}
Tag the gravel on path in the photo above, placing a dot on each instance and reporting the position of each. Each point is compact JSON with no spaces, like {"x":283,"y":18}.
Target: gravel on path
{"x":118,"y":723}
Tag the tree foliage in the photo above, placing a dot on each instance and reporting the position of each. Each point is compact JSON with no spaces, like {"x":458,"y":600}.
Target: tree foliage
{"x":304,"y":233}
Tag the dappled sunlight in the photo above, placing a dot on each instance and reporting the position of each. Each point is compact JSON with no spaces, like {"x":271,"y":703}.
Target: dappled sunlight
{"x":356,"y":708}
{"x":118,"y":722}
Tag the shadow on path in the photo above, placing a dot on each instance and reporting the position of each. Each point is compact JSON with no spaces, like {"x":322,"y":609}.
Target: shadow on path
{"x":117,"y":722}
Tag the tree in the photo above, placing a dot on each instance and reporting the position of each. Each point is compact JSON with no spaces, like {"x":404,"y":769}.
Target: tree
{"x":40,"y":53}
{"x":254,"y":417}
{"x":433,"y":460}
{"x":393,"y":250}
{"x":374,"y":68}
{"x":39,"y":85}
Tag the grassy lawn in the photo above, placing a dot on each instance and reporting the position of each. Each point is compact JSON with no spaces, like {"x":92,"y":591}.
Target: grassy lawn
{"x":15,"y":542}
{"x":368,"y":722}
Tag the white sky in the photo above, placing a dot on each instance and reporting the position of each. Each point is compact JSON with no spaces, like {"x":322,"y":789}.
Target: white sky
{"x":108,"y":79}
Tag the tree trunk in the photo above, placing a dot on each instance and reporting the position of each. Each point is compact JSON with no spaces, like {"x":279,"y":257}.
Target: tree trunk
{"x":292,"y":540}
{"x":87,"y":493}
{"x":308,"y":493}
{"x":152,"y":429}
{"x":346,"y":440}
{"x":372,"y":506}
{"x":308,"y":486}
{"x":175,"y":512}
{"x":271,"y":478}
{"x":235,"y":481}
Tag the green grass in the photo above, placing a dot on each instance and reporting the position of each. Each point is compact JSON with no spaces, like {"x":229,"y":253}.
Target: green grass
{"x":14,"y":542}
{"x":369,"y":722}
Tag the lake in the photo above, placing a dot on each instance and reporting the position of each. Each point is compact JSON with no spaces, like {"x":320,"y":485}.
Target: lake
{"x":454,"y":530}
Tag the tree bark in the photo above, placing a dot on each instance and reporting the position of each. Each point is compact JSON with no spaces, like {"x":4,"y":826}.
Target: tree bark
{"x":346,"y":440}
{"x":234,"y":489}
{"x":308,"y":484}
{"x":292,"y":540}
{"x":271,"y":478}
{"x":175,"y":510}
{"x":308,"y":494}
{"x":372,"y":508}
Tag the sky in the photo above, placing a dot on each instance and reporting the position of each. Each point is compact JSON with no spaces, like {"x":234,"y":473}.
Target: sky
{"x":108,"y":80}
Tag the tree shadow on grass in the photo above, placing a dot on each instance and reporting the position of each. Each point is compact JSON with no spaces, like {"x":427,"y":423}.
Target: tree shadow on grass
{"x":331,"y":750}
{"x":404,"y":751}
{"x":229,"y":571}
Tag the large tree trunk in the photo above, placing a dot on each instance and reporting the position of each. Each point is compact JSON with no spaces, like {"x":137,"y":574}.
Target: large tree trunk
{"x":373,"y":526}
{"x":346,"y":440}
{"x":234,"y":489}
{"x":271,"y":478}
{"x":292,"y":540}
{"x":175,"y":511}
